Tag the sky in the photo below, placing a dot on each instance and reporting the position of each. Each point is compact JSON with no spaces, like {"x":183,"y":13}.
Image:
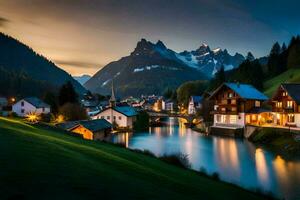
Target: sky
{"x":82,"y":36}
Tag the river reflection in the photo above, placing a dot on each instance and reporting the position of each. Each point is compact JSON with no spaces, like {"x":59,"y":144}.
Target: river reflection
{"x":235,"y":160}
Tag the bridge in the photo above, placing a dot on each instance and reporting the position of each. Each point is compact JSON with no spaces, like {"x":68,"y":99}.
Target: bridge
{"x":157,"y":116}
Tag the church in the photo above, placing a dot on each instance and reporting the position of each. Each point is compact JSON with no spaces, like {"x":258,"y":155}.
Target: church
{"x":121,"y":116}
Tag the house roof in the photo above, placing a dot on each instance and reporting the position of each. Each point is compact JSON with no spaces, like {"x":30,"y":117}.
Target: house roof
{"x":293,"y":89}
{"x":36,"y":102}
{"x":92,"y":125}
{"x":96,"y":125}
{"x":245,"y":91}
{"x":126,"y":110}
{"x":197,"y":99}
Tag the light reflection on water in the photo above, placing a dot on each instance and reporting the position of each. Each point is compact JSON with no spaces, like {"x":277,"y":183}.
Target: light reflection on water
{"x":235,"y":160}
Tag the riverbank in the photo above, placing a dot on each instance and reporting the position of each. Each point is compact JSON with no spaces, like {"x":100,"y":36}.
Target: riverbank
{"x":282,"y":141}
{"x":43,"y":163}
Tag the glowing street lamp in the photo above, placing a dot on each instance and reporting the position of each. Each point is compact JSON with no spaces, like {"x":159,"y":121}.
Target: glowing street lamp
{"x":32,"y":117}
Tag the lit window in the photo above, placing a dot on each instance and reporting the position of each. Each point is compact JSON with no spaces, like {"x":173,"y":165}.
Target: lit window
{"x":284,"y":94}
{"x":233,"y":101}
{"x":230,"y":95}
{"x":279,"y":104}
{"x":257,"y":103}
{"x":289,"y":104}
{"x":291,"y":117}
{"x":233,"y":119}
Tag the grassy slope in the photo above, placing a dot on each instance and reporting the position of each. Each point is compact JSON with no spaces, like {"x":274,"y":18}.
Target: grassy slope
{"x":44,"y":164}
{"x":290,"y":76}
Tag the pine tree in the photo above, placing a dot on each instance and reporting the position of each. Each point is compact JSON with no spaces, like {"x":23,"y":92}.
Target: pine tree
{"x":67,"y":94}
{"x":293,"y":59}
{"x":273,"y":61}
{"x":250,"y":56}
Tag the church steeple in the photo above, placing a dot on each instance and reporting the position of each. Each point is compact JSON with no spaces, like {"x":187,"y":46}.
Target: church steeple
{"x":112,"y":100}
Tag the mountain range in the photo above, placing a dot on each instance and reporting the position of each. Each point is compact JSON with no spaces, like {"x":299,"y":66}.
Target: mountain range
{"x":152,"y":68}
{"x":24,"y":72}
{"x":82,"y":79}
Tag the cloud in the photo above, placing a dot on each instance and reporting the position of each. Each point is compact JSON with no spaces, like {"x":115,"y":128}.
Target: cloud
{"x":78,"y":64}
{"x":3,"y":21}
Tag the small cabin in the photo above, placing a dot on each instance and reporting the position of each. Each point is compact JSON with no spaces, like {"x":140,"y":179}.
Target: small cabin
{"x":286,"y":105}
{"x":89,"y":129}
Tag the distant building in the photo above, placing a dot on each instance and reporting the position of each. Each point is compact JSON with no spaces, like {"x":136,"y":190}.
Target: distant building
{"x":195,"y":104}
{"x":286,"y":105}
{"x":30,"y":105}
{"x":89,"y":129}
{"x":122,"y":115}
{"x":169,"y":105}
{"x":236,"y":105}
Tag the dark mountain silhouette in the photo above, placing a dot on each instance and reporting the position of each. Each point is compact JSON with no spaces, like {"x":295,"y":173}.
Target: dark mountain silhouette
{"x":24,"y":67}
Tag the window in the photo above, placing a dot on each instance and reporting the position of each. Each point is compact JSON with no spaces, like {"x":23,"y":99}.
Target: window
{"x":230,"y":95}
{"x":22,"y":110}
{"x":102,"y":117}
{"x":22,"y":103}
{"x":233,"y":101}
{"x":257,"y":103}
{"x":279,"y":104}
{"x":233,"y":119}
{"x":43,"y":109}
{"x":291,"y":118}
{"x":233,"y":109}
{"x":120,"y":117}
{"x":289,"y":104}
{"x":108,"y":117}
{"x":114,"y":117}
{"x":284,"y":94}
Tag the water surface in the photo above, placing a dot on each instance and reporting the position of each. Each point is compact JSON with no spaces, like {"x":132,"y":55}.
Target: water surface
{"x":235,"y":160}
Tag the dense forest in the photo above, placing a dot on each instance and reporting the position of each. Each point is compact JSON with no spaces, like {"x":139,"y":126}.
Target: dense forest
{"x":24,"y":72}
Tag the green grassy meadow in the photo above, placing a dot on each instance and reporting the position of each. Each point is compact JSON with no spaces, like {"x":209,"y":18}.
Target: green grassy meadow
{"x":40,"y":163}
{"x":290,"y":76}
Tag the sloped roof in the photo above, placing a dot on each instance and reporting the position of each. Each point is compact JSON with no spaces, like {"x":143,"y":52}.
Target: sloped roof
{"x":92,"y":125}
{"x":247,"y":91}
{"x":197,"y":99}
{"x":126,"y":110}
{"x":36,"y":102}
{"x":293,"y":90}
{"x":96,"y":125}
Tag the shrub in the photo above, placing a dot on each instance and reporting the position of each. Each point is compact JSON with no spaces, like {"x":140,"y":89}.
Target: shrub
{"x":179,"y":160}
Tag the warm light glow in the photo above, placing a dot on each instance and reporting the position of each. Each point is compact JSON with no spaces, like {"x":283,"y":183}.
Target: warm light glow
{"x":60,"y":119}
{"x":32,"y":117}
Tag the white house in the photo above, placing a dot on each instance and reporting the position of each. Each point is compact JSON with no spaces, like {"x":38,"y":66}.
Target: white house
{"x":195,"y":103}
{"x":30,"y":105}
{"x":122,"y":116}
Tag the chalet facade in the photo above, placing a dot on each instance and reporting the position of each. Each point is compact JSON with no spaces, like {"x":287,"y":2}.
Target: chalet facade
{"x":30,"y":105}
{"x":236,"y":105}
{"x":286,"y":105}
{"x":195,"y":104}
{"x":88,"y":129}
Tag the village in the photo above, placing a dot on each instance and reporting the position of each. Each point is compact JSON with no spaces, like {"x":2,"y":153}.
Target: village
{"x":236,"y":109}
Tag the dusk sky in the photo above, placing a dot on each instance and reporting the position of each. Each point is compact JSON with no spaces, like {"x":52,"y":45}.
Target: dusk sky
{"x":81,"y":36}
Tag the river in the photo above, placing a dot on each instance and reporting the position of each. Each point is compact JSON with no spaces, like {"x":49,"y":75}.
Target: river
{"x":235,"y":160}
